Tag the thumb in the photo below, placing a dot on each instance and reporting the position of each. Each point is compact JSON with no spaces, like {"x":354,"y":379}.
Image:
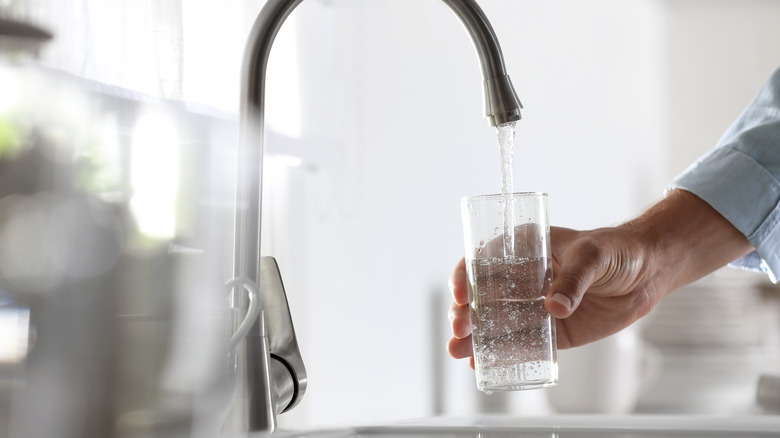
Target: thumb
{"x":570,"y":284}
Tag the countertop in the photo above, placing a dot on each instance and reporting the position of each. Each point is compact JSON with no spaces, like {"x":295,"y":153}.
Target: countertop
{"x":562,"y":426}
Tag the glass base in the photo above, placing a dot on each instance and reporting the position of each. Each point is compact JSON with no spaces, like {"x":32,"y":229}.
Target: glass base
{"x":516,"y":376}
{"x":520,"y":386}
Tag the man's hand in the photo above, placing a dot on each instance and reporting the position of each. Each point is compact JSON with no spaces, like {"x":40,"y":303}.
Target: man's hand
{"x":605,"y":279}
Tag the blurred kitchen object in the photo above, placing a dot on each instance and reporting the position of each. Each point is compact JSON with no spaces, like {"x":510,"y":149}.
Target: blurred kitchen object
{"x":717,"y":337}
{"x":768,"y":393}
{"x":709,"y":348}
{"x":20,"y":37}
{"x":113,"y":309}
{"x":607,"y":376}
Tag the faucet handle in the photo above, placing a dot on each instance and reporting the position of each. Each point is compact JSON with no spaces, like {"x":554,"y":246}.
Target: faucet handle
{"x":288,"y":373}
{"x":270,"y":376}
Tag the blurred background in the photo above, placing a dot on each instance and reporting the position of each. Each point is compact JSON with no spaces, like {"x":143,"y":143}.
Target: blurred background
{"x":375,"y":130}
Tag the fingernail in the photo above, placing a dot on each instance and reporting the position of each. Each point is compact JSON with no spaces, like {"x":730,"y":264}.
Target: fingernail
{"x":562,"y":299}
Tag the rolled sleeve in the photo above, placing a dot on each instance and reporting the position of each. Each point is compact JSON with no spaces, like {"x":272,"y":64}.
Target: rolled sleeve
{"x":740,"y":179}
{"x":747,"y":196}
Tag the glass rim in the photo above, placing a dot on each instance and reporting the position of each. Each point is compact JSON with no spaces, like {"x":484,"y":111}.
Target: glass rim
{"x":503,"y":195}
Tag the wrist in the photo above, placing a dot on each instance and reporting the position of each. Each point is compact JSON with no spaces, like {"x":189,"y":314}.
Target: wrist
{"x":684,"y":239}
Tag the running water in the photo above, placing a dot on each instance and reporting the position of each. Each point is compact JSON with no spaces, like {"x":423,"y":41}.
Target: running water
{"x":506,"y":144}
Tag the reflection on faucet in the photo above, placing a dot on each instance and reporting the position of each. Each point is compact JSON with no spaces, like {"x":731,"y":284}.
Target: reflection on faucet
{"x":255,"y":406}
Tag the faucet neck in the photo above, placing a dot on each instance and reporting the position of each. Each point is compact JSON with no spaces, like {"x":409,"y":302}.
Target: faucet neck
{"x":501,"y":106}
{"x":500,"y":100}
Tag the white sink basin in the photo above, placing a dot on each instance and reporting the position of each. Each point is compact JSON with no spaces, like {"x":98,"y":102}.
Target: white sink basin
{"x":587,"y":426}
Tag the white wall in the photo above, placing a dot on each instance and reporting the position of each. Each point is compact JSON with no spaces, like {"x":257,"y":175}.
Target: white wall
{"x":619,"y":95}
{"x":718,"y":55}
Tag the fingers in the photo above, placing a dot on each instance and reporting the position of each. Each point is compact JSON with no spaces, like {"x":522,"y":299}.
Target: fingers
{"x":565,"y":295}
{"x":459,"y":283}
{"x":560,"y":239}
{"x":579,"y":268}
{"x":460,"y":320}
{"x":460,"y":348}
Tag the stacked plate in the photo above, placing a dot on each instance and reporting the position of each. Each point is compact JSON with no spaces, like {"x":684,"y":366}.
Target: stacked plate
{"x":724,"y":309}
{"x":716,"y":337}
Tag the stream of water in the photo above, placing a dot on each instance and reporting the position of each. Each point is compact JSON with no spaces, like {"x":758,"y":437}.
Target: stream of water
{"x":506,"y":144}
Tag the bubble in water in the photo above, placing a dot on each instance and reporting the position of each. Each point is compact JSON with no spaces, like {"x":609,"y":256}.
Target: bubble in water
{"x":512,"y":329}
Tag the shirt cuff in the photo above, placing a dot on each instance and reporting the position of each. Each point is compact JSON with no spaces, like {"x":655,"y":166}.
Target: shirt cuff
{"x":747,"y":195}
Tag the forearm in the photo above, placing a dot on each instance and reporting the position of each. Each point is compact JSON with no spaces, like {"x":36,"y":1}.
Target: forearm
{"x":686,"y":240}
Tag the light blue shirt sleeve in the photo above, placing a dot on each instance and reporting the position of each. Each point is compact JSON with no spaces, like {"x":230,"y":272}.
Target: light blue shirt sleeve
{"x":740,"y":178}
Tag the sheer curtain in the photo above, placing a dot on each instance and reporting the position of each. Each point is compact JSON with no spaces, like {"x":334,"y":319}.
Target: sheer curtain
{"x":133,"y":45}
{"x":186,"y":50}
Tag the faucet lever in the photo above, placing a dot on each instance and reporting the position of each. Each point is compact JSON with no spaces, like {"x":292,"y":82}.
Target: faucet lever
{"x":288,"y":373}
{"x":270,"y":375}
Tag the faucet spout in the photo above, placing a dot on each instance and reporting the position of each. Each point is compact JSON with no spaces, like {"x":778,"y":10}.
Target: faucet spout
{"x":501,"y":102}
{"x":257,"y":411}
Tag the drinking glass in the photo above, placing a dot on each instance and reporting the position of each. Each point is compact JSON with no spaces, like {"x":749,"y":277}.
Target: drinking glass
{"x":509,"y":267}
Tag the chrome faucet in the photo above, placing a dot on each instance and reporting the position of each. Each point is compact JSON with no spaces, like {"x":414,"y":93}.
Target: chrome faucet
{"x":270,"y":374}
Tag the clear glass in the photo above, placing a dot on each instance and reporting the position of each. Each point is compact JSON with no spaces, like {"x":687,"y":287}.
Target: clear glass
{"x":509,"y":266}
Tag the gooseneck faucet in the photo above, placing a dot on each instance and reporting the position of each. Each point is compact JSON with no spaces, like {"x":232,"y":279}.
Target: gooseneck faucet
{"x":270,"y":374}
